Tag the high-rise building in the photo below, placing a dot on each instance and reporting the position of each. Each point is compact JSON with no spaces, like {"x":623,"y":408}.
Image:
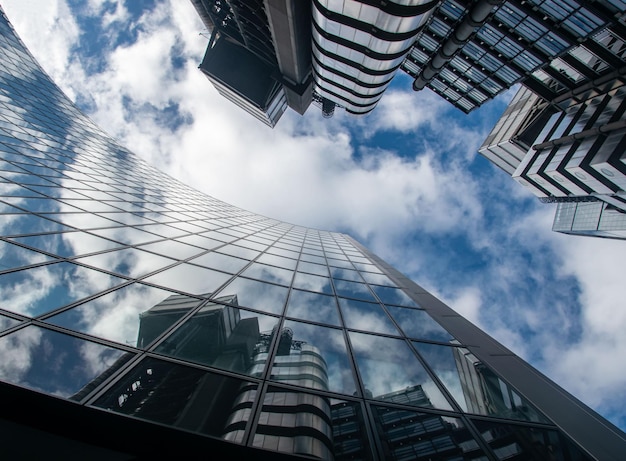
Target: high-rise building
{"x":470,"y":51}
{"x":346,"y":52}
{"x":569,"y":150}
{"x":141,"y":318}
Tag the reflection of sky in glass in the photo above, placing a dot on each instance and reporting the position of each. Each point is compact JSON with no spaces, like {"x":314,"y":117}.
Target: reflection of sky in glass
{"x":388,"y":365}
{"x":389,"y":295}
{"x":345,"y":274}
{"x":353,"y":290}
{"x":19,"y":224}
{"x":188,"y":278}
{"x":361,"y":315}
{"x":116,"y":316}
{"x":200,"y":241}
{"x":81,"y":220}
{"x":126,"y":235}
{"x":269,"y":273}
{"x":377,"y":279}
{"x":42,"y":289}
{"x":163,"y":230}
{"x":367,"y":268}
{"x":7,"y":322}
{"x":220,"y":261}
{"x":238,"y":251}
{"x":313,"y":306}
{"x":340,"y":263}
{"x":312,"y":268}
{"x":312,"y":259}
{"x":418,"y":324}
{"x":279,"y":261}
{"x":13,"y":256}
{"x":172,"y":249}
{"x":282,"y":252}
{"x":52,"y":362}
{"x":332,"y":347}
{"x":257,"y":295}
{"x":130,"y":262}
{"x":312,"y":283}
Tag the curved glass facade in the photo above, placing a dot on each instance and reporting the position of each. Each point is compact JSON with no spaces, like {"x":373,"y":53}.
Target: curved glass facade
{"x":142,"y":303}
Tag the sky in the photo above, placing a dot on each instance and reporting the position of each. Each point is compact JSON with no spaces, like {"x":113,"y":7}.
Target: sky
{"x":406,"y":181}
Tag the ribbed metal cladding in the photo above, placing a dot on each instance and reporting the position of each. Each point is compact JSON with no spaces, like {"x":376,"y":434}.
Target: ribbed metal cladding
{"x":356,"y":44}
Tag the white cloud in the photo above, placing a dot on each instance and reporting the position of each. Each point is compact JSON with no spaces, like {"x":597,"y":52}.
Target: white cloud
{"x":316,"y":173}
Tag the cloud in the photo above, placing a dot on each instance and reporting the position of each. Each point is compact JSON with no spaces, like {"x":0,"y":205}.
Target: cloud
{"x":405,"y":181}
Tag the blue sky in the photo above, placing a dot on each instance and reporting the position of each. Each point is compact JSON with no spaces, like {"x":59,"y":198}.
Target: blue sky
{"x":406,"y":181}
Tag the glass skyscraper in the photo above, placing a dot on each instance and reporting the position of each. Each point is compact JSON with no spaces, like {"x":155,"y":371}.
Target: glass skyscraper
{"x":142,"y":318}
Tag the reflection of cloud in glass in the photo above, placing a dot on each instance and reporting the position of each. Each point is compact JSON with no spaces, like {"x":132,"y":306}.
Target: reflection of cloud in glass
{"x":377,"y":279}
{"x":39,"y":290}
{"x":84,"y":243}
{"x":16,"y":351}
{"x":361,"y":315}
{"x":312,"y":283}
{"x":17,"y":224}
{"x":340,"y":263}
{"x":6,"y":322}
{"x":240,"y":252}
{"x":418,"y":324}
{"x":52,"y":362}
{"x":126,"y":235}
{"x":114,"y":316}
{"x":354,"y":290}
{"x":220,"y":261}
{"x":257,"y":295}
{"x":13,"y":256}
{"x":390,"y":295}
{"x":200,"y":241}
{"x":279,"y":261}
{"x":172,"y":249}
{"x":313,"y":306}
{"x":346,"y":274}
{"x":312,"y":268}
{"x":68,"y":244}
{"x":191,"y":279}
{"x":82,"y":220}
{"x":130,"y":262}
{"x":269,"y":273}
{"x":388,"y":365}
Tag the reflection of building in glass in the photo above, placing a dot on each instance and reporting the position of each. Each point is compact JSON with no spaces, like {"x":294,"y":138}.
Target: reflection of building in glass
{"x":207,"y":375}
{"x":290,"y":421}
{"x":485,"y":393}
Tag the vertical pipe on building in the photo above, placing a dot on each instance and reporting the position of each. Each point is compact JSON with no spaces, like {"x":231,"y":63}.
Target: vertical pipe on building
{"x":474,"y":19}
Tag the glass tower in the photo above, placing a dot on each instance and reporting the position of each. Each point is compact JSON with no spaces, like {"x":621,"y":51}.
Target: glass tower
{"x":140,"y":317}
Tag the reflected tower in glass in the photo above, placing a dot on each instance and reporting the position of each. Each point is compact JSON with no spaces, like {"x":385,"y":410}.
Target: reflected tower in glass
{"x":141,"y":318}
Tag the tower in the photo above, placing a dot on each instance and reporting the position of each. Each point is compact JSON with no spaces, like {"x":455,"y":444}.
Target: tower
{"x":140,"y":308}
